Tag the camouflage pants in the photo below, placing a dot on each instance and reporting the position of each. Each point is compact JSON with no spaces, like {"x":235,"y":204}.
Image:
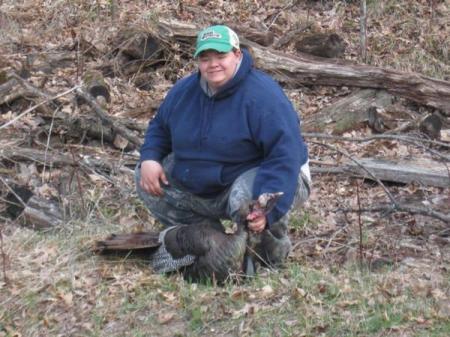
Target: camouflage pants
{"x":178,"y":206}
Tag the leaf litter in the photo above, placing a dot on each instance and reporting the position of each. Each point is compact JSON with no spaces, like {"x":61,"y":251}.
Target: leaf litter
{"x":54,"y":287}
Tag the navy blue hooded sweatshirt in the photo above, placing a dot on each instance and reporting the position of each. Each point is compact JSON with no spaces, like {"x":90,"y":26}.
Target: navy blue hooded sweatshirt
{"x":248,"y":123}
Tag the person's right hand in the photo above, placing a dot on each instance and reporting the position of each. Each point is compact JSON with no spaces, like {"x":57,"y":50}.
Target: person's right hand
{"x":152,"y":174}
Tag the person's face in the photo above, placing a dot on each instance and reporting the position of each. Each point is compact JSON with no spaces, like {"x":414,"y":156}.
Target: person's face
{"x":218,"y":68}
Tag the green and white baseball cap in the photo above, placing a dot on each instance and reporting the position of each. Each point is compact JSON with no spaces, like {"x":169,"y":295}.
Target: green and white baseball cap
{"x":219,"y":38}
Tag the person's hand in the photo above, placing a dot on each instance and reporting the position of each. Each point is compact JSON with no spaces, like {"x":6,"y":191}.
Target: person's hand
{"x":256,"y":222}
{"x":152,"y":174}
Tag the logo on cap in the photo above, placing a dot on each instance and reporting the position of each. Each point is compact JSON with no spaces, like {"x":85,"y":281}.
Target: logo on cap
{"x":210,"y":35}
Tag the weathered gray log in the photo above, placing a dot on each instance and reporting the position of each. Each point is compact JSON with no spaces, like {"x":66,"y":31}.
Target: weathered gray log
{"x":41,"y":213}
{"x":32,"y":210}
{"x":429,"y":173}
{"x":426,"y":172}
{"x":10,"y":91}
{"x":28,"y":91}
{"x":305,"y":69}
{"x":348,"y":112}
{"x":80,"y":126}
{"x":138,"y":44}
{"x":51,"y":158}
{"x":49,"y":63}
{"x":261,"y":37}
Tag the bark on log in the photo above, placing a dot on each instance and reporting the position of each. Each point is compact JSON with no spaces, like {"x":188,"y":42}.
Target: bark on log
{"x":77,"y":127}
{"x":304,"y":69}
{"x":41,"y":213}
{"x":10,"y":91}
{"x":313,"y":70}
{"x":263,"y":38}
{"x":58,"y":159}
{"x":348,"y":112}
{"x":32,"y":210}
{"x":429,"y":173}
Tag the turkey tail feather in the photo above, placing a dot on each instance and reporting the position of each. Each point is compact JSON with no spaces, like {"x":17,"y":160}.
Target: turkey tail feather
{"x":127,"y":242}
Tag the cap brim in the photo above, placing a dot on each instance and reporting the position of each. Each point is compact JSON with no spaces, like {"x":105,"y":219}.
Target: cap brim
{"x":221,"y":48}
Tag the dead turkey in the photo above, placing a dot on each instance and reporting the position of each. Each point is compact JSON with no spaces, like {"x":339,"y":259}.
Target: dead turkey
{"x":204,"y":251}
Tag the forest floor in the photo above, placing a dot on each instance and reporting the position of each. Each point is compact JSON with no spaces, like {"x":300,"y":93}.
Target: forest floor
{"x":350,"y":273}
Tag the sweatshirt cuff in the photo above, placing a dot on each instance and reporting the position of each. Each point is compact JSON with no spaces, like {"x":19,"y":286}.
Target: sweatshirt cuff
{"x":273,"y":217}
{"x":151,"y":155}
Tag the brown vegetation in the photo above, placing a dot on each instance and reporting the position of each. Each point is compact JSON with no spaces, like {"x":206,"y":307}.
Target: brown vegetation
{"x":79,"y":81}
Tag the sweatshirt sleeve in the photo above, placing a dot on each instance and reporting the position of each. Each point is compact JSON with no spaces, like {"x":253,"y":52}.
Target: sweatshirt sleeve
{"x":157,"y":141}
{"x":284,"y":151}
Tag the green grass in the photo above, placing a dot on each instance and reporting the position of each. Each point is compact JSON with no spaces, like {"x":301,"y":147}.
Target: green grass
{"x":300,"y":222}
{"x":299,"y":299}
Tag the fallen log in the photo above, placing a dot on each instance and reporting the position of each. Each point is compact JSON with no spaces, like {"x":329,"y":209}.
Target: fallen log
{"x":95,"y":84}
{"x":348,"y":112}
{"x":263,"y":38}
{"x":10,"y":91}
{"x":304,"y":69}
{"x":33,"y":210}
{"x":51,"y":159}
{"x":428,"y":173}
{"x":41,"y":213}
{"x":127,"y":138}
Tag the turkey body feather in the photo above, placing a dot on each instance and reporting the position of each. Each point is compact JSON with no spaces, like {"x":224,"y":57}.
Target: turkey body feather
{"x":215,"y":254}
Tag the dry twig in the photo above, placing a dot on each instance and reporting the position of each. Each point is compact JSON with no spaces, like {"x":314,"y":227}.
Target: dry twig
{"x":4,"y":257}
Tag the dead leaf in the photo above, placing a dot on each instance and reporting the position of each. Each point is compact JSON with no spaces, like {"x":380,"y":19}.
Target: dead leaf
{"x":346,"y":304}
{"x":67,"y":298}
{"x":299,"y":293}
{"x":164,"y":318}
{"x":230,"y":227}
{"x":444,"y":308}
{"x":120,"y":142}
{"x":168,"y":296}
{"x":239,"y":294}
{"x":27,"y":172}
{"x":47,"y":191}
{"x":285,"y":282}
{"x":248,"y":309}
{"x":445,"y":135}
{"x":266,"y":291}
{"x":322,"y":286}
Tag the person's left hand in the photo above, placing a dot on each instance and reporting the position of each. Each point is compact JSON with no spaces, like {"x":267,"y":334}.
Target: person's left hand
{"x":256,"y":222}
